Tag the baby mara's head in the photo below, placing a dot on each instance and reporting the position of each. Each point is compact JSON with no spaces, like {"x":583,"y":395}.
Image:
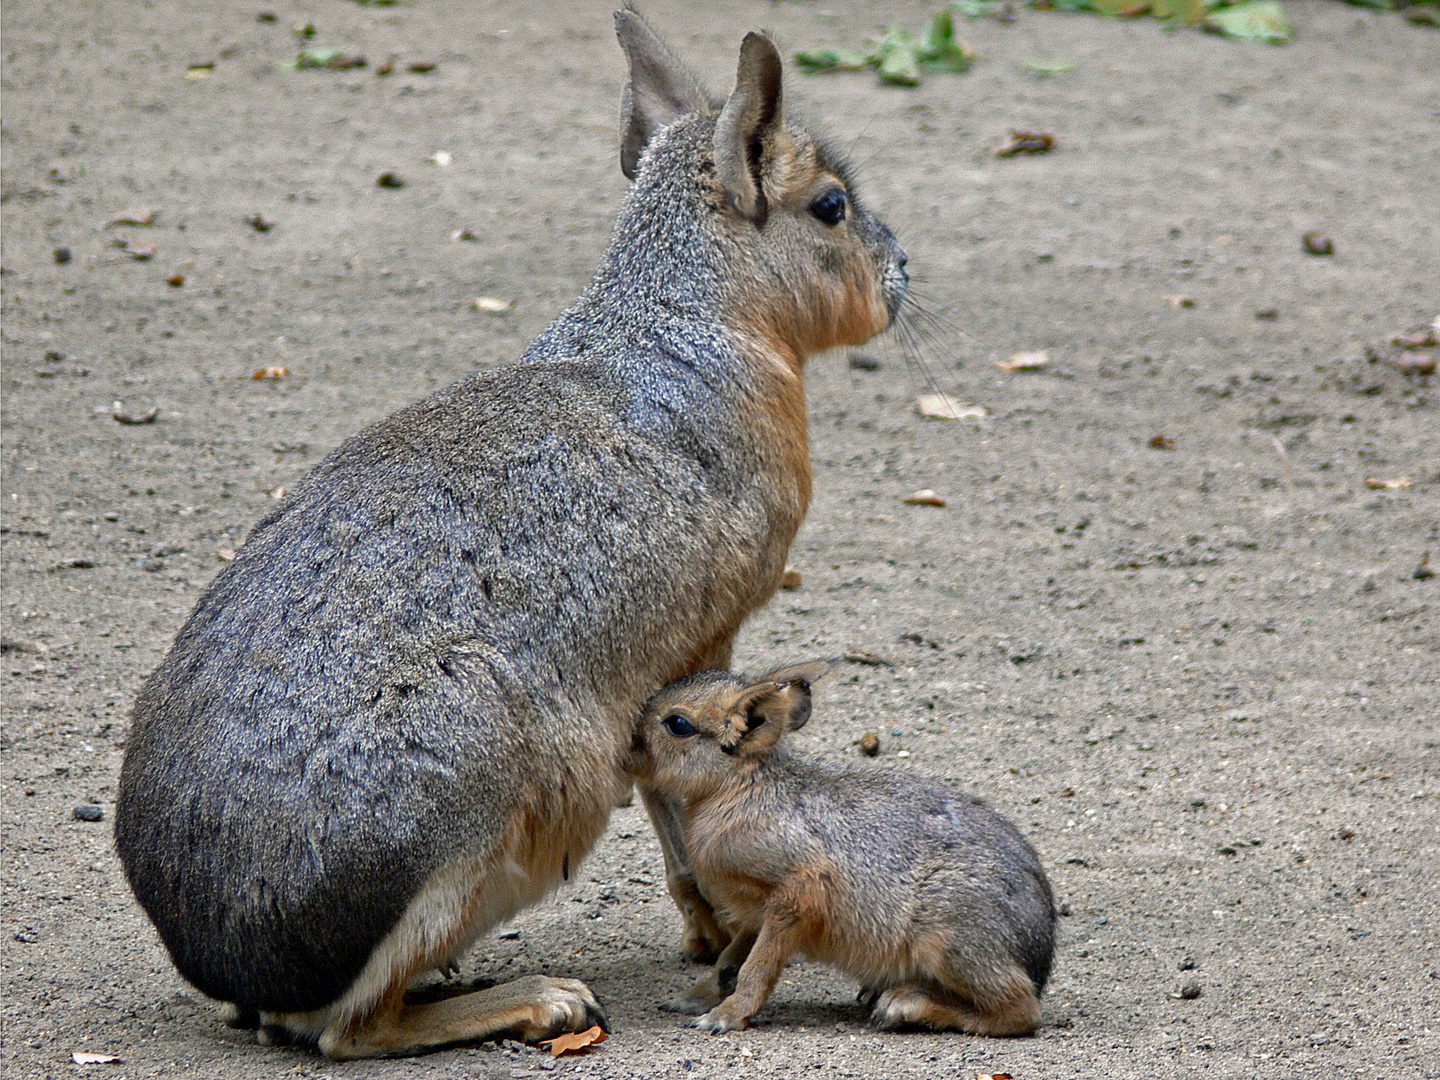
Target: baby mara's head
{"x":701,"y":730}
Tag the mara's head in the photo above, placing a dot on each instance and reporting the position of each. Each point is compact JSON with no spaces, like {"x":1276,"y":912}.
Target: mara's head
{"x":698,"y":731}
{"x":804,"y":266}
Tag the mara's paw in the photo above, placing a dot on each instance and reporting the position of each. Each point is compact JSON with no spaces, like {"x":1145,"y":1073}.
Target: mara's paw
{"x":546,"y":1007}
{"x":720,"y":1019}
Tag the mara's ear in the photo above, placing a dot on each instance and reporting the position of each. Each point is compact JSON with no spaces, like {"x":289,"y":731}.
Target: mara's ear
{"x":748,"y":126}
{"x":660,"y":90}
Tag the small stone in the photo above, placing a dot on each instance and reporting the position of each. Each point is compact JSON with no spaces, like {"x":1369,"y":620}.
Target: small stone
{"x":791,"y":579}
{"x":88,"y":813}
{"x":1187,"y":964}
{"x":1317,"y":244}
{"x":870,"y":744}
{"x":1267,"y":313}
{"x":1423,"y":571}
{"x":389,"y":180}
{"x":1063,"y":911}
{"x":860,"y":362}
{"x":62,"y":255}
{"x":1190,"y":991}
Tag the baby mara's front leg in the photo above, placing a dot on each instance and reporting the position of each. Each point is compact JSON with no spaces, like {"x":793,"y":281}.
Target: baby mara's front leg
{"x":771,"y":949}
{"x":719,"y":982}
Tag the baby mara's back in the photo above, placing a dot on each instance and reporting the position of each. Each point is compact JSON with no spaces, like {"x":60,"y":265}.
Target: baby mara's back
{"x":932,"y":900}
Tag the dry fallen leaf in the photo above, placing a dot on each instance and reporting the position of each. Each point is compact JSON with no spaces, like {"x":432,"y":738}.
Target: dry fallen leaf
{"x":1420,"y":363}
{"x":791,"y":579}
{"x":121,"y":416}
{"x":1025,"y":361}
{"x":1389,"y":485}
{"x":1421,"y":339}
{"x":176,"y":281}
{"x":992,"y":1076}
{"x":1162,"y":442}
{"x":1180,"y":300}
{"x":492,"y":304}
{"x":1026,"y":142}
{"x":133,"y":249}
{"x":79,"y":1057}
{"x":270,"y":373}
{"x":573,"y":1041}
{"x":941,"y":407}
{"x":924,"y":497}
{"x":142,"y":215}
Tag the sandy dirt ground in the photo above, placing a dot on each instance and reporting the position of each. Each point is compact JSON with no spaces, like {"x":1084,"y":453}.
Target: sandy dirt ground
{"x":1200,"y":675}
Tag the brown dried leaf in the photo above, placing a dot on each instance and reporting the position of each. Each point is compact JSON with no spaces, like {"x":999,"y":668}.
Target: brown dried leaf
{"x":140,"y":215}
{"x":575,"y":1041}
{"x":943,"y":407}
{"x":133,"y":249}
{"x":80,"y":1057}
{"x":121,"y":416}
{"x":1162,"y":442}
{"x":1421,"y":339}
{"x":1026,"y":142}
{"x":177,"y":281}
{"x":270,"y":373}
{"x":1395,"y":484}
{"x":1025,"y":361}
{"x":1420,"y":363}
{"x":924,"y":497}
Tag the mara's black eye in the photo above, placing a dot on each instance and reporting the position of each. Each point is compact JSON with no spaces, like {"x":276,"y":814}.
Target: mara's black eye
{"x":678,"y":726}
{"x":830,"y":207}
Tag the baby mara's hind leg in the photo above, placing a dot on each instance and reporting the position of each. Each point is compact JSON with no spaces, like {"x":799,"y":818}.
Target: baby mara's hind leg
{"x":532,"y":1008}
{"x":1007,"y":1007}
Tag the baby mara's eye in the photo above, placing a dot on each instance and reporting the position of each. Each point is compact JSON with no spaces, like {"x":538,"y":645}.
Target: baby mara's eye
{"x":830,"y":207}
{"x":678,"y":726}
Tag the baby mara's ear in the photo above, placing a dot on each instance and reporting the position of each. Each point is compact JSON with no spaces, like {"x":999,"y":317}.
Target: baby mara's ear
{"x":766,"y":710}
{"x":749,"y":131}
{"x":659,"y":92}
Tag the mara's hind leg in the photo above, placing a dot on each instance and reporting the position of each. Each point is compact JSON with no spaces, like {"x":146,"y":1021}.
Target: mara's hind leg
{"x":1011,"y":1009}
{"x":533,"y":1008}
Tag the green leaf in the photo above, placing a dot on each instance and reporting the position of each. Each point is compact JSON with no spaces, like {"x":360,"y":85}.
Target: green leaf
{"x":817,"y":60}
{"x":1045,"y":69}
{"x":939,"y":51}
{"x":977,"y":9}
{"x":1189,"y":12}
{"x":898,"y":52}
{"x":318,"y":57}
{"x":1259,"y":20}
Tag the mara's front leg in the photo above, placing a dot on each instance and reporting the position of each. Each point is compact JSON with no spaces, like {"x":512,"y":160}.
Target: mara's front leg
{"x":705,"y":938}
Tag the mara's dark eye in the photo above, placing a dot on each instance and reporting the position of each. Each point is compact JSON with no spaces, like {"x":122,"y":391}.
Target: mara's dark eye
{"x":830,"y":207}
{"x":678,"y":726}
